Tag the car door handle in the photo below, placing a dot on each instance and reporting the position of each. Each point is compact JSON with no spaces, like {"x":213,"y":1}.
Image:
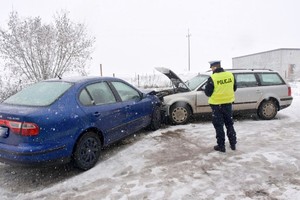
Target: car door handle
{"x":97,"y":114}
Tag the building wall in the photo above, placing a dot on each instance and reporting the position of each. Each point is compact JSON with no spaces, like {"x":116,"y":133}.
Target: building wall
{"x":285,"y":61}
{"x":291,"y":59}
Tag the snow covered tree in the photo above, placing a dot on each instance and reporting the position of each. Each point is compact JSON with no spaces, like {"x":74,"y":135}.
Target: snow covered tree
{"x":37,"y":51}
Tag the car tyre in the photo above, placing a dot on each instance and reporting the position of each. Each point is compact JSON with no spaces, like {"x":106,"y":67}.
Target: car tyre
{"x":87,"y":151}
{"x":156,"y":119}
{"x":267,"y":110}
{"x":180,"y":113}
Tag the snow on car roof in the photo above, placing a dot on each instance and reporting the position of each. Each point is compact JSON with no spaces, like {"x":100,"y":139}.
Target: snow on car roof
{"x":244,"y":70}
{"x":74,"y":79}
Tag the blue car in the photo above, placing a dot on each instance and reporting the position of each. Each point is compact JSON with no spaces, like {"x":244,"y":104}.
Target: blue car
{"x":72,"y":119}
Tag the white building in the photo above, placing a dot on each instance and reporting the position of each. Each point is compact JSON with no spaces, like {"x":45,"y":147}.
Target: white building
{"x":286,"y":61}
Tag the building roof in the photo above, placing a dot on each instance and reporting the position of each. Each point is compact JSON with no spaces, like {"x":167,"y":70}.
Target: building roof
{"x":280,"y":49}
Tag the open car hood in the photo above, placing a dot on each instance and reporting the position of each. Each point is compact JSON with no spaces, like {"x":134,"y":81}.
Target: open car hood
{"x":176,"y":81}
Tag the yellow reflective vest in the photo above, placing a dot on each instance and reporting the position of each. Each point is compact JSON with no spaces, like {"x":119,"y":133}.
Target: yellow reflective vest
{"x":223,"y":88}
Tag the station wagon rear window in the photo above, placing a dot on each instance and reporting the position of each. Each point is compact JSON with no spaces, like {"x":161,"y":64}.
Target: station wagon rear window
{"x":270,"y":79}
{"x":39,"y":94}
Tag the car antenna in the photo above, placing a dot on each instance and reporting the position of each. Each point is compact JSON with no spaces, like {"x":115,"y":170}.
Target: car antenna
{"x":57,"y":75}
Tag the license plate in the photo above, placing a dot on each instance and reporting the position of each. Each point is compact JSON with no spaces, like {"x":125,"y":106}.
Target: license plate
{"x":3,"y":132}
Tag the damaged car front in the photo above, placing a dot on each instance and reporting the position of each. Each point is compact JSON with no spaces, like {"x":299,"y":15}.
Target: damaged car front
{"x":182,"y":101}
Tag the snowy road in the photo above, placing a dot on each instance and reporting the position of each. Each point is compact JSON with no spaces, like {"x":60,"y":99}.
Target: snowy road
{"x":178,"y":162}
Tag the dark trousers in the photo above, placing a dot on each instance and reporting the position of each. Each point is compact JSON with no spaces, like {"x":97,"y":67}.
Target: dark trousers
{"x":222,"y":114}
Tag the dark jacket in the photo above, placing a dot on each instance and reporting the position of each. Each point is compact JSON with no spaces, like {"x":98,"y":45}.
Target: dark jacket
{"x":209,"y":88}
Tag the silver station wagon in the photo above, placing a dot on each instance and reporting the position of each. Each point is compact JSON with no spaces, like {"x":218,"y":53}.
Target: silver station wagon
{"x":263,"y":92}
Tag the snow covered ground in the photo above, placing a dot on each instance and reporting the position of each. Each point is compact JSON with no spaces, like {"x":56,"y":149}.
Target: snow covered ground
{"x":178,"y":162}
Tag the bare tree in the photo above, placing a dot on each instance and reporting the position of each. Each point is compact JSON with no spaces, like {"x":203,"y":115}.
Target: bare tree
{"x":40,"y":51}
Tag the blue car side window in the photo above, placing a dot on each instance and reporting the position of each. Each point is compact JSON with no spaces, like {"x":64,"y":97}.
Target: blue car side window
{"x":85,"y":98}
{"x":100,"y":94}
{"x":126,"y":92}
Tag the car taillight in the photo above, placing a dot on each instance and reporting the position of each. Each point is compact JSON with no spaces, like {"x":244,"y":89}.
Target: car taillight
{"x":14,"y":126}
{"x":289,"y":91}
{"x":22,"y":128}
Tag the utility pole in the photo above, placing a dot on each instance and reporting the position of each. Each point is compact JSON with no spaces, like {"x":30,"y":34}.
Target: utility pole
{"x":100,"y":69}
{"x":189,"y":50}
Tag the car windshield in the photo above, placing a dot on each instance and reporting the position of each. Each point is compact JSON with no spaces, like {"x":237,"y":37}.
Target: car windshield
{"x":196,"y":81}
{"x":39,"y":94}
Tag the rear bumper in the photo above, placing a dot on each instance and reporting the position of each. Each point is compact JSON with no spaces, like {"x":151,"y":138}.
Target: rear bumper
{"x":34,"y":155}
{"x":284,"y":106}
{"x":285,"y":102}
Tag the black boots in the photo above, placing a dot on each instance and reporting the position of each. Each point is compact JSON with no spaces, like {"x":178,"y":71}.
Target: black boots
{"x":232,"y":147}
{"x":222,"y":149}
{"x":218,"y":148}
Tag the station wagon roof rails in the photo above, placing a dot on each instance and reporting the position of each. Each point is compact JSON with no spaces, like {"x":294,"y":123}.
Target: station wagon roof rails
{"x":235,"y":69}
{"x":240,"y":69}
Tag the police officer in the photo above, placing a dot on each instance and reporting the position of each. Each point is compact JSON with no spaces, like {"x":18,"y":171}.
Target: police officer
{"x":220,"y":89}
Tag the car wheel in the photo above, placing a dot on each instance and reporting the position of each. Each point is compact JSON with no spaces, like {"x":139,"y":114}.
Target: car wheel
{"x":87,"y":151}
{"x":267,"y":110}
{"x":180,"y":113}
{"x":156,"y":119}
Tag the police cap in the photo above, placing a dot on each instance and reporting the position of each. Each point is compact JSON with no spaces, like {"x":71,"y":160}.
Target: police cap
{"x":215,"y":63}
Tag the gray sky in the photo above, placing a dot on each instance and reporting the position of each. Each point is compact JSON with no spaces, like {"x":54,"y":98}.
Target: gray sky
{"x":135,"y":36}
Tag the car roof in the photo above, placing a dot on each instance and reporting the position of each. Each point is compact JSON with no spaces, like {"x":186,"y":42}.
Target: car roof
{"x":249,"y":70}
{"x":245,"y":70}
{"x":81,"y":79}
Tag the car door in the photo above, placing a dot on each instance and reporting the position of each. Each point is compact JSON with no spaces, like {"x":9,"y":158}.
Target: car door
{"x":104,"y":111}
{"x":202,"y":101}
{"x":197,"y":84}
{"x":248,"y":93}
{"x":138,"y":109}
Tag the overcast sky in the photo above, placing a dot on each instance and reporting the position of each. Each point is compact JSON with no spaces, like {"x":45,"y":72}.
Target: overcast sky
{"x":135,"y":36}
